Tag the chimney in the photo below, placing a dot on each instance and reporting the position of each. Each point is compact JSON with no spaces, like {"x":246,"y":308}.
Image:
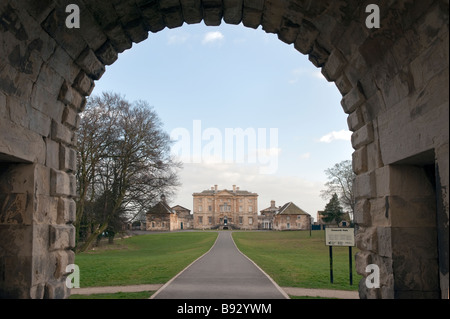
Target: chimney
{"x":215,"y":188}
{"x":234,"y":188}
{"x":212,"y":188}
{"x":163,"y":198}
{"x":272,"y":204}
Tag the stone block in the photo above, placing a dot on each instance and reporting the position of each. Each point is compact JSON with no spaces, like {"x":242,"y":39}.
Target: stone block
{"x":21,"y":143}
{"x":50,"y":79}
{"x":69,"y":39}
{"x":364,"y":186}
{"x":61,"y":133}
{"x":415,"y":250}
{"x":363,"y":136}
{"x":374,"y":159}
{"x":172,"y":13}
{"x":343,"y":84}
{"x":66,"y":211}
{"x":70,"y":96}
{"x":306,"y":37}
{"x":319,"y":55}
{"x":41,"y":180}
{"x":137,"y":31}
{"x":64,"y":65}
{"x":212,"y":12}
{"x":18,"y":111}
{"x":52,"y":159}
{"x":362,"y":259}
{"x":362,"y":212}
{"x":384,"y":241}
{"x":334,"y":65}
{"x":56,"y":290}
{"x":367,"y":240}
{"x":39,"y":122}
{"x":46,"y":209}
{"x":60,"y":184}
{"x":4,"y":111}
{"x":232,"y":11}
{"x":63,"y":258}
{"x":89,"y":63}
{"x":152,"y":17}
{"x":288,"y":31}
{"x":70,"y":118}
{"x":107,"y":54}
{"x":61,"y":237}
{"x":352,"y":100}
{"x":43,"y":101}
{"x":359,"y":160}
{"x":355,"y":120}
{"x":406,"y":181}
{"x":84,"y":84}
{"x":72,"y":185}
{"x":379,"y":211}
{"x":410,"y":213}
{"x":67,"y":159}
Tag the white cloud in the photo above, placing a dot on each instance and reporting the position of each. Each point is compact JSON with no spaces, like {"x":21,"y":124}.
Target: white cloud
{"x":177,"y":38}
{"x":343,"y":135}
{"x":212,"y":37}
{"x":305,"y":155}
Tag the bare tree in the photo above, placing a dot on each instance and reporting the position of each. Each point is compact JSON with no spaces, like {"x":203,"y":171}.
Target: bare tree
{"x":340,"y":182}
{"x":125,"y":166}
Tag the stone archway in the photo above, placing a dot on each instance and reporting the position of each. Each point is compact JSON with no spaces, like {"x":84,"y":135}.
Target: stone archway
{"x":394,"y":83}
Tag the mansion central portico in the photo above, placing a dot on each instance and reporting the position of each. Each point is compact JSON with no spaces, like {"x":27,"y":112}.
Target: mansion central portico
{"x":225,"y":209}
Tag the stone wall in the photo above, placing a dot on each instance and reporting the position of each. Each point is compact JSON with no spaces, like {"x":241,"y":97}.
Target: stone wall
{"x":394,"y":83}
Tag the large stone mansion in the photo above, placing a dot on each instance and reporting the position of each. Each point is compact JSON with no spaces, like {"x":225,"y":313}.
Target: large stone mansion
{"x":226,"y":209}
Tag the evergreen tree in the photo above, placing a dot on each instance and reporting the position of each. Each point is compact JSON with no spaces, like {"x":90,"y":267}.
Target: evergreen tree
{"x":333,"y":211}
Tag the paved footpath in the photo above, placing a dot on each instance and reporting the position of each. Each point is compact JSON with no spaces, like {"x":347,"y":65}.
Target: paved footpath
{"x":222,"y":273}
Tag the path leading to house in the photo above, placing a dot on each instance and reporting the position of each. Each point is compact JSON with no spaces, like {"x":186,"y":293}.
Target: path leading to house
{"x":222,"y":273}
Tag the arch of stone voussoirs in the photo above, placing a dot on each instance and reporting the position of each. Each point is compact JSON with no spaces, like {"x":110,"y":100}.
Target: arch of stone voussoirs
{"x":394,"y":83}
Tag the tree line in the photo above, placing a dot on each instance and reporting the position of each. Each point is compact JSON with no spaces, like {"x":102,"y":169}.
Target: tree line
{"x":124,"y":165}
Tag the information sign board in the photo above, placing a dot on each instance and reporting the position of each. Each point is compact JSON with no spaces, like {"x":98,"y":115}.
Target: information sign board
{"x":340,"y":236}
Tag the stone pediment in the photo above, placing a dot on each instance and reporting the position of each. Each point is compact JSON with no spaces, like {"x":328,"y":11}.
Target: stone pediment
{"x":224,"y":193}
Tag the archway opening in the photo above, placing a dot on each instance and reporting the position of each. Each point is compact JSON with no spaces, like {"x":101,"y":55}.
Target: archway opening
{"x":393,"y":80}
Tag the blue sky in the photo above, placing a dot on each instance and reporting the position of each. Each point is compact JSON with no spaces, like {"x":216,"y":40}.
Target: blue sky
{"x":211,"y":79}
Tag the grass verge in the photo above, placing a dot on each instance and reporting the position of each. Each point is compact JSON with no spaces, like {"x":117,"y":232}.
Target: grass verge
{"x":293,"y":259}
{"x":145,"y":259}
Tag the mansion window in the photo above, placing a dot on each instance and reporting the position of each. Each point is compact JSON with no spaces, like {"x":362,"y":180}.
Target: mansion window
{"x":225,"y":208}
{"x":199,"y":208}
{"x":210,"y":220}
{"x":210,"y":208}
{"x":241,"y":209}
{"x":250,"y":209}
{"x":250,"y":221}
{"x":240,"y":220}
{"x":200,"y":219}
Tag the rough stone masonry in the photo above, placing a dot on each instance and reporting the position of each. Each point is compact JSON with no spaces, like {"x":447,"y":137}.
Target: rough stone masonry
{"x":394,"y":85}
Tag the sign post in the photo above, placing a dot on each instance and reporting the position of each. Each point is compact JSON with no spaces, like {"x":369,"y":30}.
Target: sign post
{"x":340,"y":237}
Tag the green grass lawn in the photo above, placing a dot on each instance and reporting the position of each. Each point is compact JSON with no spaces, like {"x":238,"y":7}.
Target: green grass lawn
{"x":117,"y":295}
{"x":145,"y":259}
{"x":293,"y":259}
